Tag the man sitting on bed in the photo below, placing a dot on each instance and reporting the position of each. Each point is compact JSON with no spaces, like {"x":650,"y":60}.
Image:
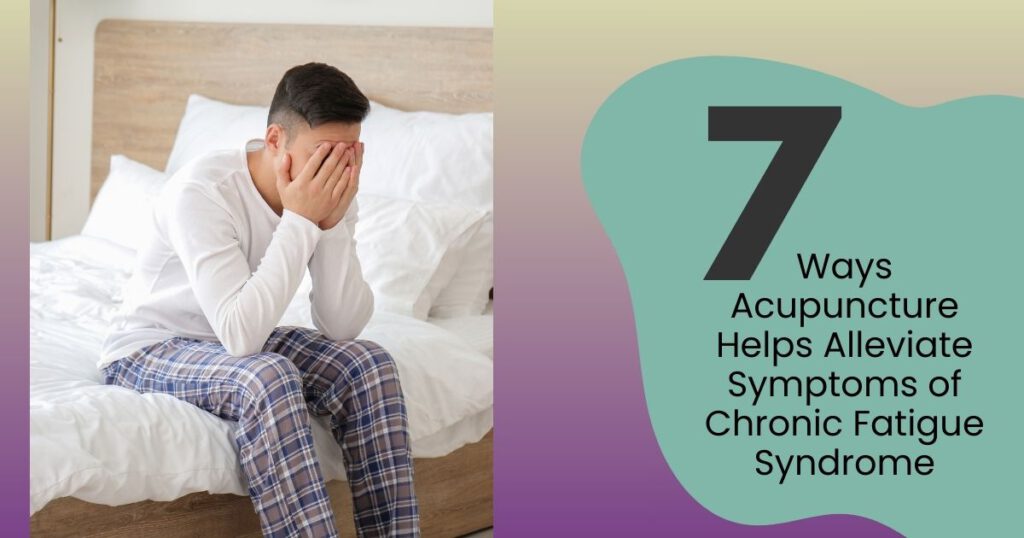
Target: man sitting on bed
{"x":234,"y":233}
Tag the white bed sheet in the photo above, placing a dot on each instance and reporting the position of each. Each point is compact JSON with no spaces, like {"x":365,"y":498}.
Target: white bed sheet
{"x":111,"y":445}
{"x":477,"y":331}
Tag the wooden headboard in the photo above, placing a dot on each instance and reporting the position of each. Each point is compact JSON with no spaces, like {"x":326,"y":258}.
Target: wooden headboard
{"x":145,"y":71}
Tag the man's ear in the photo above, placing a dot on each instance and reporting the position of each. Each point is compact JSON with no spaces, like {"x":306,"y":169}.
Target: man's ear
{"x":275,"y":139}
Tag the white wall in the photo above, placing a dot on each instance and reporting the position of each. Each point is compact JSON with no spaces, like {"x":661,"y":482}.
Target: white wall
{"x":38,"y":115}
{"x":76,"y":26}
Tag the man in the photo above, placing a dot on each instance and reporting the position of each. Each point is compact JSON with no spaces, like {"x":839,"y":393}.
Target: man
{"x":233,"y":234}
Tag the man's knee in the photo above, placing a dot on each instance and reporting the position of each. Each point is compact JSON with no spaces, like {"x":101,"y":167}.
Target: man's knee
{"x":372,"y":360}
{"x":270,"y":376}
{"x":376,"y":352}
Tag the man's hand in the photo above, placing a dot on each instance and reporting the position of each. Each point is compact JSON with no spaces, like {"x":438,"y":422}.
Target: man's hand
{"x":317,"y":191}
{"x":347,"y":186}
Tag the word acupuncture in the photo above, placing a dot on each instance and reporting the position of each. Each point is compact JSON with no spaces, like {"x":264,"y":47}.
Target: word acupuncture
{"x":806,"y":309}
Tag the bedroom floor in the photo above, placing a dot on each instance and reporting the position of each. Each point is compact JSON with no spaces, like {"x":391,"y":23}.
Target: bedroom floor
{"x":486,"y":533}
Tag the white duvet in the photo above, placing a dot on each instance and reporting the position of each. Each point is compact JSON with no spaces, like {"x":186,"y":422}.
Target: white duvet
{"x":111,"y":445}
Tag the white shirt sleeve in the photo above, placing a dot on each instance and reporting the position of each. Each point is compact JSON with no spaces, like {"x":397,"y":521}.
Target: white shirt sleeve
{"x":243,"y":307}
{"x":341,"y":300}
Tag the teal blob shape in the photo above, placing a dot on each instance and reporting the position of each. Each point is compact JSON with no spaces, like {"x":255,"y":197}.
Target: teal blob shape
{"x":935,"y":190}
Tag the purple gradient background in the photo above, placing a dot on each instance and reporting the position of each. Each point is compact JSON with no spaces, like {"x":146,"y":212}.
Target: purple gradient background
{"x":14,"y":505}
{"x":575,"y":452}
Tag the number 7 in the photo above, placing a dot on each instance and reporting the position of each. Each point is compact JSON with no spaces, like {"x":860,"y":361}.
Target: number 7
{"x":804,"y":131}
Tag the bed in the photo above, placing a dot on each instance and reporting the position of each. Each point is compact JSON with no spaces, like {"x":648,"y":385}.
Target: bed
{"x":107,"y":461}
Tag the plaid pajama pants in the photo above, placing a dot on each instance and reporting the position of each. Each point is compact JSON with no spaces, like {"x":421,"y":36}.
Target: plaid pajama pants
{"x":270,"y":394}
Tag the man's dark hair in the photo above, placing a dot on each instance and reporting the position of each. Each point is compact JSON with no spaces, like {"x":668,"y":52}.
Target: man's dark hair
{"x":317,"y":93}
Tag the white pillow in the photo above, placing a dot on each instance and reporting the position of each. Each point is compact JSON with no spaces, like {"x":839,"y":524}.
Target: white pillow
{"x":468,"y":291}
{"x":429,"y":156}
{"x":425,"y":156}
{"x":123,"y":209}
{"x":443,"y":158}
{"x":210,"y":125}
{"x":448,"y":268}
{"x":400,"y":244}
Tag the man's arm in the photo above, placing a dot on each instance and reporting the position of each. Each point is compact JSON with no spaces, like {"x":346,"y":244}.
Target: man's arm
{"x":243,"y":307}
{"x":341,"y":300}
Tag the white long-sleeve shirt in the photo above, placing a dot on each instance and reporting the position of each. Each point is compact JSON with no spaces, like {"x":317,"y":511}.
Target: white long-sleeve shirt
{"x":221,"y":265}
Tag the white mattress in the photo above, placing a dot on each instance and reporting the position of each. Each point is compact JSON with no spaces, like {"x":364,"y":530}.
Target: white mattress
{"x":111,"y":445}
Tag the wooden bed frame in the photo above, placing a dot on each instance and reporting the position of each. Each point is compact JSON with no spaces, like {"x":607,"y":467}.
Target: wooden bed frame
{"x":144,"y":72}
{"x":455,"y":495}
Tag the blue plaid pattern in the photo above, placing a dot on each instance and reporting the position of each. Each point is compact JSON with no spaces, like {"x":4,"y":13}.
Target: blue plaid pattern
{"x":271,"y":394}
